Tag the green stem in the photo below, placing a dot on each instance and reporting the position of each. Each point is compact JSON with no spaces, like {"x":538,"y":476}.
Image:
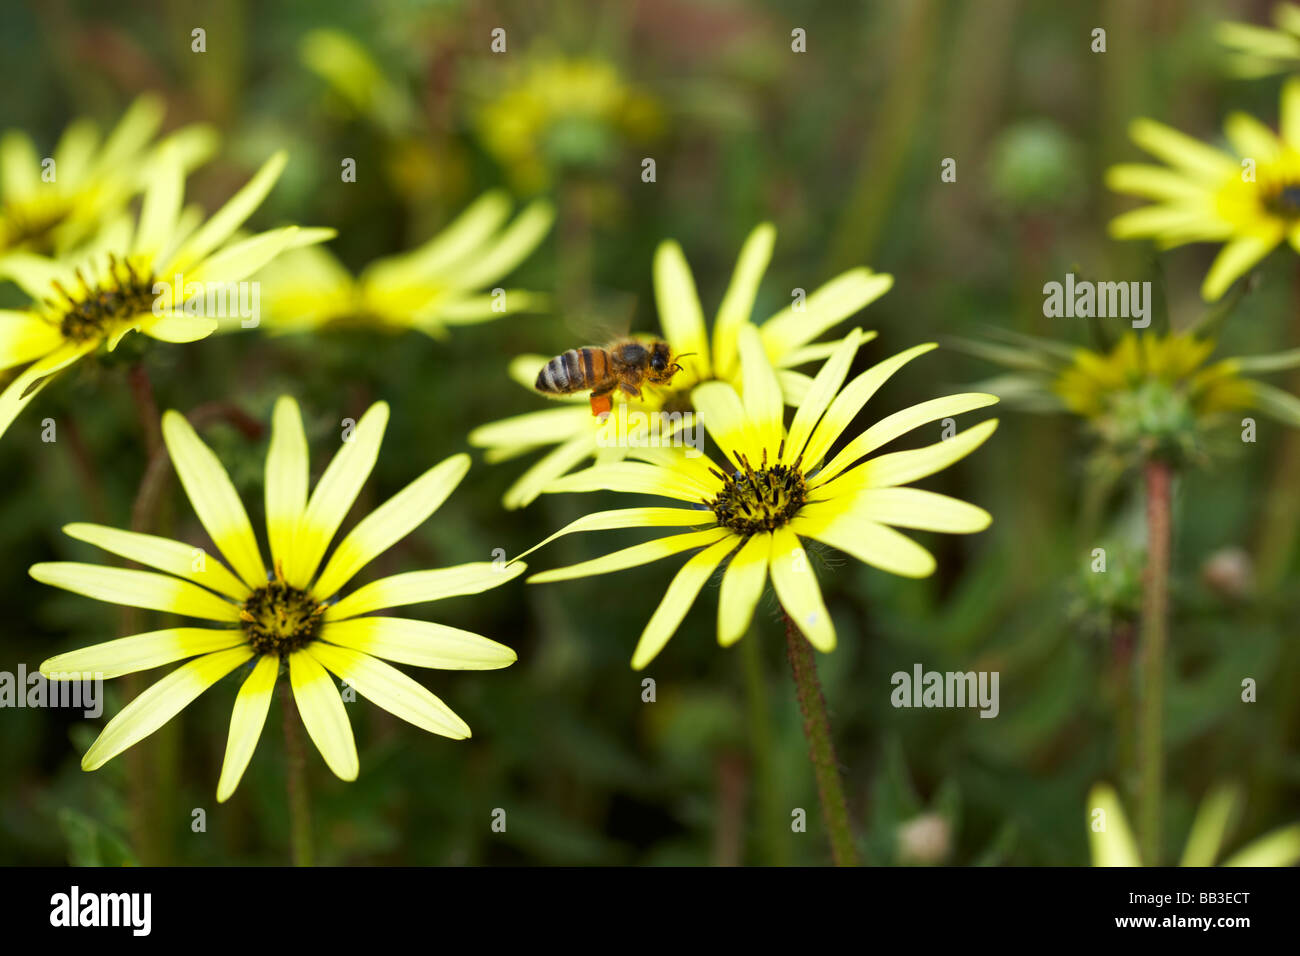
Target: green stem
{"x":773,"y":847}
{"x":296,"y":775}
{"x":821,"y":751}
{"x":1155,"y":631}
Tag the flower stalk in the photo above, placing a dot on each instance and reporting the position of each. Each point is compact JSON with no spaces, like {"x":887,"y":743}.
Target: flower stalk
{"x":821,"y":749}
{"x":1155,"y":628}
{"x":296,"y":782}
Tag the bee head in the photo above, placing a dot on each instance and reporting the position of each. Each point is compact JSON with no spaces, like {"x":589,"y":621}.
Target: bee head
{"x":659,"y":356}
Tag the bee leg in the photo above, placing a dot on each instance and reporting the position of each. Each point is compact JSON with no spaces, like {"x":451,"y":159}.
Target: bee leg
{"x":601,"y":403}
{"x":629,"y":389}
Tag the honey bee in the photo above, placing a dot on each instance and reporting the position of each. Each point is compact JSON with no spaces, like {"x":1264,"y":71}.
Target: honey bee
{"x":625,"y":365}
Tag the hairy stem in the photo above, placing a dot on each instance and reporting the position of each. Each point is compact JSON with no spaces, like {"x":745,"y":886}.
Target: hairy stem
{"x":821,"y":751}
{"x":296,"y":775}
{"x":1155,"y":631}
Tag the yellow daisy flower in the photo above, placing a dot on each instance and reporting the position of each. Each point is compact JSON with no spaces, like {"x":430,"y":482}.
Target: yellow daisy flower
{"x":437,"y":285}
{"x":49,"y":205}
{"x":777,"y":487}
{"x":1249,"y":201}
{"x":121,"y":281}
{"x":1149,"y":394}
{"x":281,"y":615}
{"x":787,"y":338}
{"x":557,"y":111}
{"x":1259,"y":51}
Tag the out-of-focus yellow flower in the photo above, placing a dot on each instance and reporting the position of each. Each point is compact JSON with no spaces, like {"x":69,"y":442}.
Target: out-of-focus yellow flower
{"x":437,"y":285}
{"x":49,"y":205}
{"x":126,"y":279}
{"x":1149,"y":395}
{"x":1260,"y":51}
{"x":788,"y":337}
{"x":1250,"y":202}
{"x":556,"y":112}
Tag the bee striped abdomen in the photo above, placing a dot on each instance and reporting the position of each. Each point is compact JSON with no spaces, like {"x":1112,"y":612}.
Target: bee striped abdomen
{"x":573,"y":371}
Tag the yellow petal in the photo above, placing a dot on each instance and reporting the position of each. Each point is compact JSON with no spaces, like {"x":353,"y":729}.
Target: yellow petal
{"x":678,"y":599}
{"x":1235,"y":260}
{"x":633,"y":477}
{"x":416,"y":587}
{"x":1113,"y":843}
{"x":392,"y":690}
{"x":323,"y":715}
{"x":419,"y":643}
{"x":725,"y":418}
{"x":214,"y":498}
{"x":1181,"y":150}
{"x":742,"y":586}
{"x":824,"y":389}
{"x":629,"y":518}
{"x":638,"y":554}
{"x":286,"y":479}
{"x":161,"y":206}
{"x":830,"y":304}
{"x":174,"y":557}
{"x":900,"y":423}
{"x":679,"y":305}
{"x":849,"y":402}
{"x":177,"y":328}
{"x":764,"y":406}
{"x":160,"y":703}
{"x":31,"y":380}
{"x":389,"y":523}
{"x":246,"y":723}
{"x":868,"y":541}
{"x":230,"y":216}
{"x":796,"y":588}
{"x":158,"y":592}
{"x":738,"y":303}
{"x":922,"y":510}
{"x":514,"y":245}
{"x":334,"y":494}
{"x":25,"y":337}
{"x":141,"y":652}
{"x":900,"y":467}
{"x":548,"y":469}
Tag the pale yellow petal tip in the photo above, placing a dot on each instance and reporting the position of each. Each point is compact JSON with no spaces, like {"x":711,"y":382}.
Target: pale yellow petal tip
{"x":224,"y":794}
{"x":41,"y":571}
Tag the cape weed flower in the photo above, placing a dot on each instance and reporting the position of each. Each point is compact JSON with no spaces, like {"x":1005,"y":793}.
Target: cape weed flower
{"x":778,"y":486}
{"x":50,"y":205}
{"x":787,"y":338}
{"x":285,"y":615}
{"x":1250,"y":201}
{"x":122,"y":280}
{"x":437,"y":285}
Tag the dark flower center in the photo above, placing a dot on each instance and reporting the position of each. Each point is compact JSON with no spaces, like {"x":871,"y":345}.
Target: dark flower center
{"x":1285,"y":202}
{"x":90,"y":310}
{"x":759,"y":499}
{"x":278,"y":618}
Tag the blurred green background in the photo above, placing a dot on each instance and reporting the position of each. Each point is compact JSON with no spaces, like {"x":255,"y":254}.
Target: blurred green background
{"x":841,"y":148}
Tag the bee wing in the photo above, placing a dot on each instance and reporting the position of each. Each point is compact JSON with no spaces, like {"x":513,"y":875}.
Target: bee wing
{"x":611,"y":322}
